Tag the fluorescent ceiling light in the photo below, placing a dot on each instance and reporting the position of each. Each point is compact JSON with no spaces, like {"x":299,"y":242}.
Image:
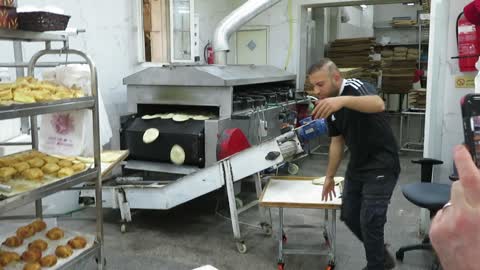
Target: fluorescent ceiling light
{"x":409,"y":4}
{"x":363,"y":6}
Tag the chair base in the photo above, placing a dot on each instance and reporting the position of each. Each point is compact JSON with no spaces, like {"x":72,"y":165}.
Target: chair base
{"x":401,"y":252}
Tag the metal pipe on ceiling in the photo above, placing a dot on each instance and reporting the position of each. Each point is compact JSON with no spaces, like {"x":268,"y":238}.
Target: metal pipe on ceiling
{"x":233,"y":22}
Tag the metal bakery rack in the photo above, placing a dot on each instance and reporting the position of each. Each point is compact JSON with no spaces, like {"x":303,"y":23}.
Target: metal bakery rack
{"x":35,"y":109}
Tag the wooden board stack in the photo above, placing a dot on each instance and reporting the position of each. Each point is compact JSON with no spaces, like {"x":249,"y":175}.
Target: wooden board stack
{"x":398,"y":76}
{"x":417,"y":99}
{"x":353,"y":52}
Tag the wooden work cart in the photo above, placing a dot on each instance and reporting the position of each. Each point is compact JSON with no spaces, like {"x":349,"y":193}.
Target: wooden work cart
{"x":299,"y":192}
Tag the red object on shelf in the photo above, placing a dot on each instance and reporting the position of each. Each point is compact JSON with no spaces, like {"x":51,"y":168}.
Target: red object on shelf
{"x":210,"y":54}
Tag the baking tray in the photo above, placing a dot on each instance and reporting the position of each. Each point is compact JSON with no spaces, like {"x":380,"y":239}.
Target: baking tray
{"x":21,"y":185}
{"x":9,"y":229}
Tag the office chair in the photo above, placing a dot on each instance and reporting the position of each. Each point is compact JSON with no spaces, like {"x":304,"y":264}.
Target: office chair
{"x":428,"y":195}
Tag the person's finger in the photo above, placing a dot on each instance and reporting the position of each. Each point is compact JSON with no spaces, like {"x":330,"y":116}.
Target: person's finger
{"x":457,"y":195}
{"x":321,"y":108}
{"x":326,"y":113}
{"x":315,"y":110}
{"x":468,"y":174}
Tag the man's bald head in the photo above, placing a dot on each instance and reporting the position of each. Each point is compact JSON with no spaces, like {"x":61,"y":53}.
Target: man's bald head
{"x":324,"y":64}
{"x":325,"y":78}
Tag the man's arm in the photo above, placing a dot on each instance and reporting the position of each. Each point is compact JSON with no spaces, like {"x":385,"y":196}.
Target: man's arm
{"x":334,"y":158}
{"x":364,"y":104}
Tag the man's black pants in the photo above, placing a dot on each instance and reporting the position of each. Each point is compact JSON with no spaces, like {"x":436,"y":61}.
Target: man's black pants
{"x":364,"y":211}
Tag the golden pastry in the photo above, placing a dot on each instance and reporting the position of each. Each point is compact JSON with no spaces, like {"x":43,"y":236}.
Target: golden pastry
{"x":23,"y":96}
{"x":21,"y":166}
{"x":39,"y":225}
{"x":49,"y":159}
{"x":6,"y":173}
{"x":50,"y":168}
{"x":65,"y":163}
{"x":63,"y":94}
{"x":63,"y":251}
{"x":13,"y":241}
{"x":42,"y":95}
{"x":32,"y":266}
{"x":6,"y":94}
{"x":55,"y":234}
{"x":48,"y":261}
{"x":38,"y":244}
{"x":32,"y":255}
{"x":8,"y":161}
{"x":25,"y":231}
{"x":78,"y":167}
{"x":65,"y":172}
{"x":7,"y":258}
{"x":77,"y":242}
{"x":33,"y":174}
{"x":36,"y":162}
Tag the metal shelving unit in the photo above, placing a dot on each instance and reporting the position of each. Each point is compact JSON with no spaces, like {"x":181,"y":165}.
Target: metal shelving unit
{"x":35,"y":109}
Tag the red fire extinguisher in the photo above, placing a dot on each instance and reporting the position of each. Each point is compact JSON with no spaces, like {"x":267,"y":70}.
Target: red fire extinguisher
{"x":209,"y":54}
{"x":468,"y":41}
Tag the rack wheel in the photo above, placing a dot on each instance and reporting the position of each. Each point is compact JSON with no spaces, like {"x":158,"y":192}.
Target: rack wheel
{"x":331,"y":265}
{"x":327,"y":240}
{"x":242,"y":248}
{"x":104,"y":261}
{"x":267,"y":228}
{"x":281,"y":266}
{"x":399,"y":255}
{"x":123,"y":228}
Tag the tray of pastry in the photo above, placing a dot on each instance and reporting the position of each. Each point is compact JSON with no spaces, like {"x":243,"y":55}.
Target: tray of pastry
{"x":41,"y":245}
{"x":27,"y":90}
{"x":29,"y":170}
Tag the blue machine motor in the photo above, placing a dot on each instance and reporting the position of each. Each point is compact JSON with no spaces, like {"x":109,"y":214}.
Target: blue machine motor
{"x":311,"y":129}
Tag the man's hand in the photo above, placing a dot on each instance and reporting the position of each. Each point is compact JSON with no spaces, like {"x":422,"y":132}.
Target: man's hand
{"x":454,"y":232}
{"x":328,"y":189}
{"x":325,"y":107}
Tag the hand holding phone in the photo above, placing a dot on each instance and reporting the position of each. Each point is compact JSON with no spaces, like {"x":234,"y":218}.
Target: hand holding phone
{"x":471,"y":125}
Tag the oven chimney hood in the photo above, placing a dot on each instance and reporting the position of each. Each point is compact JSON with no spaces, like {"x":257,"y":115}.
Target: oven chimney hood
{"x":233,"y":22}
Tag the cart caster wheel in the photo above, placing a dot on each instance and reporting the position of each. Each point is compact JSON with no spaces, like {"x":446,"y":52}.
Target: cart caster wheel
{"x":327,"y":240}
{"x":281,"y":266}
{"x":267,"y":229}
{"x":104,"y":261}
{"x":399,"y":255}
{"x":242,"y":248}
{"x":284,"y":239}
{"x":123,"y":228}
{"x":238,"y":203}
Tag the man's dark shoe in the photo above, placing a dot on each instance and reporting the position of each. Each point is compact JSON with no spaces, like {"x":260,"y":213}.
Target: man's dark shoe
{"x":389,"y":260}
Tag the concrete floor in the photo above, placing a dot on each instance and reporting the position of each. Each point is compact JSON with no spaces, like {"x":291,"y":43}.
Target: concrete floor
{"x":193,"y":234}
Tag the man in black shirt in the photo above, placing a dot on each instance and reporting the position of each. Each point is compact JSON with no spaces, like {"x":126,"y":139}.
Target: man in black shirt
{"x":355,"y":117}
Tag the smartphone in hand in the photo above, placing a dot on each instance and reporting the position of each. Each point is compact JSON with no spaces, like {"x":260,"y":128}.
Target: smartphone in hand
{"x":471,"y":125}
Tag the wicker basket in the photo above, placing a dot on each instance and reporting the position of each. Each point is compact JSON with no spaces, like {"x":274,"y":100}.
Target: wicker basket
{"x":42,"y":21}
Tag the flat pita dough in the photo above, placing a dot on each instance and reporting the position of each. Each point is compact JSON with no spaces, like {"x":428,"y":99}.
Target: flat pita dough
{"x":150,"y":117}
{"x":177,"y":155}
{"x":181,"y":117}
{"x":200,"y":117}
{"x":150,"y":135}
{"x":321,"y":180}
{"x":167,"y":116}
